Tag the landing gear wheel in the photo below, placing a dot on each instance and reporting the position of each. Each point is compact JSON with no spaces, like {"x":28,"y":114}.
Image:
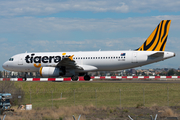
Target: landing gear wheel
{"x":74,"y":78}
{"x":87,"y":77}
{"x":25,"y":78}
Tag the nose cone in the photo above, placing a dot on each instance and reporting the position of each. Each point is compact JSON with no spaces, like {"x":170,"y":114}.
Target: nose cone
{"x":5,"y":66}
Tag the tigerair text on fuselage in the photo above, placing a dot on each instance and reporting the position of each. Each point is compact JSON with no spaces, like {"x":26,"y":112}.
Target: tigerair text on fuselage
{"x":43,"y":59}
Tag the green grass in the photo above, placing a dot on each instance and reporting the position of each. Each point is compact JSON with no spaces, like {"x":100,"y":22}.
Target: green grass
{"x":100,"y":94}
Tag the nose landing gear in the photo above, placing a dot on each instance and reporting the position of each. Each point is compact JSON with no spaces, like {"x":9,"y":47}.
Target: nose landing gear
{"x":25,"y":76}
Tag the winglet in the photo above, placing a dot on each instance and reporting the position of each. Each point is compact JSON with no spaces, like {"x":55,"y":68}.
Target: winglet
{"x":158,"y":38}
{"x":71,"y":57}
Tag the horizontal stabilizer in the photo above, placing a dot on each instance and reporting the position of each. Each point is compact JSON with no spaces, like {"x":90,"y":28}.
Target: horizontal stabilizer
{"x":156,"y":55}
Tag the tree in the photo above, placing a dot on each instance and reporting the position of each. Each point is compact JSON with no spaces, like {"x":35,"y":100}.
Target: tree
{"x":170,"y":72}
{"x":144,"y":74}
{"x":177,"y":73}
{"x":10,"y":87}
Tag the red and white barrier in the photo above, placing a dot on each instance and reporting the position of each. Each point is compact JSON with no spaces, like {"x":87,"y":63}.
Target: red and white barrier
{"x":42,"y":79}
{"x":134,"y":77}
{"x":92,"y":77}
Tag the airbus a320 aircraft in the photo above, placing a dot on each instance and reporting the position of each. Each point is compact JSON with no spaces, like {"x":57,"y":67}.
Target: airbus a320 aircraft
{"x":74,"y":64}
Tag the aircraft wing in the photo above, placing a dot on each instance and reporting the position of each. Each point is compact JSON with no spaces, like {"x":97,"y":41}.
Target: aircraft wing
{"x":69,"y":64}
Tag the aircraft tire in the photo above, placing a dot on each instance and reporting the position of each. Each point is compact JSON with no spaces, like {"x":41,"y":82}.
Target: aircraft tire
{"x":74,"y":78}
{"x":25,"y":78}
{"x":87,"y":77}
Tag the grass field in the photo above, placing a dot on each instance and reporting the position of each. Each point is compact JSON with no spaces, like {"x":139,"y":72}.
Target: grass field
{"x":48,"y":94}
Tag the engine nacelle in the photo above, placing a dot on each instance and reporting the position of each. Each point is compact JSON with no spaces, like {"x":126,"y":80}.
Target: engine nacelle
{"x":50,"y":72}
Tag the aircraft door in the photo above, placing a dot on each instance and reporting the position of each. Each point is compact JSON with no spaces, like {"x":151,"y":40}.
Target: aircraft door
{"x":134,"y":57}
{"x":20,"y":61}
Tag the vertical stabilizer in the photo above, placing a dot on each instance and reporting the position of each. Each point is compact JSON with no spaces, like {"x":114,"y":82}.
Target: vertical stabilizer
{"x":158,"y":38}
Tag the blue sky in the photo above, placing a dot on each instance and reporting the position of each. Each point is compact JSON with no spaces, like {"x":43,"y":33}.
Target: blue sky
{"x":84,"y":25}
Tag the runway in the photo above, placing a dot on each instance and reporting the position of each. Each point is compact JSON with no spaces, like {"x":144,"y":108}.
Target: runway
{"x":133,"y":81}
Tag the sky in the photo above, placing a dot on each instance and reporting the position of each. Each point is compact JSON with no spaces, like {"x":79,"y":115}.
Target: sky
{"x":85,"y":25}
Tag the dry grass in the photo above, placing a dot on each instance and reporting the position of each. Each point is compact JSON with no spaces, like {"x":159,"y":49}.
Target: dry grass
{"x":89,"y":112}
{"x":104,"y":108}
{"x":164,"y":111}
{"x":70,"y":118}
{"x":56,"y":113}
{"x":168,"y":112}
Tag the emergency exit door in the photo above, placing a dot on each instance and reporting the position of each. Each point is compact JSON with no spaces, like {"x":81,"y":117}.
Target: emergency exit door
{"x":20,"y":62}
{"x":134,"y":57}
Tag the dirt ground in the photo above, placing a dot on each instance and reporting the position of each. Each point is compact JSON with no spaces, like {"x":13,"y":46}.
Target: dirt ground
{"x":93,"y":113}
{"x":140,"y":113}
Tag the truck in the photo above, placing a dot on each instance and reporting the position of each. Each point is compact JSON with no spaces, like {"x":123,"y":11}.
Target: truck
{"x":5,"y":104}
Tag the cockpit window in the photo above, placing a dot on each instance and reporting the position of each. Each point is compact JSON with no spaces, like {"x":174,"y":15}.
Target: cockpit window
{"x":11,"y":59}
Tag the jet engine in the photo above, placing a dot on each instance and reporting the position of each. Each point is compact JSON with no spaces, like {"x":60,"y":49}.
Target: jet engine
{"x":51,"y":72}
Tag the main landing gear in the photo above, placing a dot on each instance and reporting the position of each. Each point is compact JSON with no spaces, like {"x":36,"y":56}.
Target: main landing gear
{"x":74,"y":78}
{"x":86,"y":77}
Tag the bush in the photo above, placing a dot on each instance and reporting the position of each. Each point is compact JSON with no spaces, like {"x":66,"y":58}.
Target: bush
{"x":9,"y":87}
{"x":139,"y":105}
{"x":125,"y":110}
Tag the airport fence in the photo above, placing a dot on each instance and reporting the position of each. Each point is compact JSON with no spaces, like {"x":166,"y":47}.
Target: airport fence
{"x":167,"y":96}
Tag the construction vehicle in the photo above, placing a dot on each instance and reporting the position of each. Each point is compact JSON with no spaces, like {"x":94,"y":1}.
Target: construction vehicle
{"x":5,"y":104}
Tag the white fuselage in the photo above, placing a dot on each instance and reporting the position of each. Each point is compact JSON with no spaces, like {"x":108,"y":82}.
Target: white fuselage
{"x":89,"y":61}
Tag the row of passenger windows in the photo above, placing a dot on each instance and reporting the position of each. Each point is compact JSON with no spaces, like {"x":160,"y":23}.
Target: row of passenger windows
{"x":122,"y":57}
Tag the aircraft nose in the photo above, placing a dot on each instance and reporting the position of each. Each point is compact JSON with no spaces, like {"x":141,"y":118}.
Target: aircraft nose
{"x":5,"y":65}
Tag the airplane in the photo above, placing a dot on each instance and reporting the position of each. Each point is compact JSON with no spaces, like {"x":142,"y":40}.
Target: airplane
{"x":74,"y":64}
